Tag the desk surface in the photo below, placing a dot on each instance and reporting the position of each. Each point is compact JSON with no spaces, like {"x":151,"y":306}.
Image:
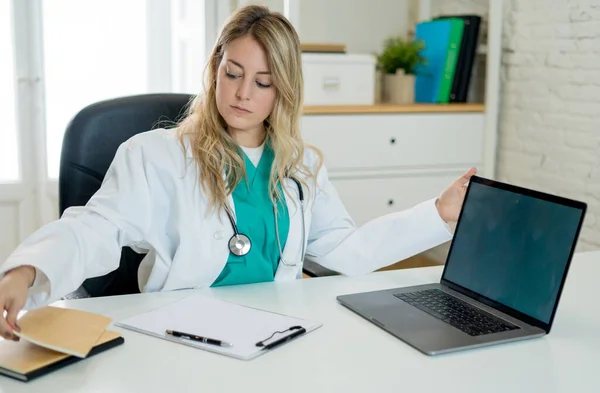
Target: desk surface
{"x":347,"y":354}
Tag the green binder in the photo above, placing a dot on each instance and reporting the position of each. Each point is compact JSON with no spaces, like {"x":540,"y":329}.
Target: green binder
{"x":454,"y":41}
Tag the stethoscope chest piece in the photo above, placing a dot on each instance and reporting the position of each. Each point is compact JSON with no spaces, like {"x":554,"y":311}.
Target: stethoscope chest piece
{"x":239,"y":244}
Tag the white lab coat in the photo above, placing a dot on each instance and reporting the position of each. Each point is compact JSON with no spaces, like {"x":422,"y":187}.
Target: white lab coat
{"x":151,"y":200}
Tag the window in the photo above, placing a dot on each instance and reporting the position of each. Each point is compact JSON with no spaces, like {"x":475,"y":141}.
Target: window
{"x":93,"y":50}
{"x":9,"y":159}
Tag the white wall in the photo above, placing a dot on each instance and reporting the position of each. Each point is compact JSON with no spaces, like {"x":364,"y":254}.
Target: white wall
{"x":550,"y":115}
{"x":479,"y":7}
{"x":359,"y":24}
{"x":549,"y":133}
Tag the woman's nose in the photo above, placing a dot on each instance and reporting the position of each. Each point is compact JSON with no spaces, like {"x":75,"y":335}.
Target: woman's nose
{"x":243,"y":91}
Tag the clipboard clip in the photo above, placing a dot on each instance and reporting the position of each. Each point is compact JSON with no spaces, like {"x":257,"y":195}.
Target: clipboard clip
{"x":294,"y":331}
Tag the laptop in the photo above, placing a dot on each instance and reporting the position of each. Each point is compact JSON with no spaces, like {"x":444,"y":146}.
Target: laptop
{"x":503,"y":277}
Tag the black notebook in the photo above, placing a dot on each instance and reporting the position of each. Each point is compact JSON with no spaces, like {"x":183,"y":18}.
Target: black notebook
{"x":26,"y":361}
{"x":466,"y":57}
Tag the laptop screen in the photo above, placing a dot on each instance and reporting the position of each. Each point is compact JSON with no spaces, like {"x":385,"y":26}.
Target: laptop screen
{"x":513,"y":248}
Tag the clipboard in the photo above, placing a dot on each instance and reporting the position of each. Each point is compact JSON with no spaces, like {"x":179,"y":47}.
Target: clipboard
{"x":251,"y":332}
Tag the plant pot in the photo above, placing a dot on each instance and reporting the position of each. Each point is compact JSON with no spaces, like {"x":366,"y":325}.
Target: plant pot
{"x":399,"y":88}
{"x":379,"y":87}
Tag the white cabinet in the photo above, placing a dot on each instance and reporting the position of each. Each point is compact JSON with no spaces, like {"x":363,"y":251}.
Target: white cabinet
{"x":385,"y":162}
{"x":396,"y":141}
{"x":370,"y":197}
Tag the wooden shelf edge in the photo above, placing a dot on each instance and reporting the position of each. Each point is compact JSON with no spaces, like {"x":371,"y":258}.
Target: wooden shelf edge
{"x":389,"y":108}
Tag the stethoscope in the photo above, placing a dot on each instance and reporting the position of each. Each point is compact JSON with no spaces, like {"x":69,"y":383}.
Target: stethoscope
{"x":240,"y":244}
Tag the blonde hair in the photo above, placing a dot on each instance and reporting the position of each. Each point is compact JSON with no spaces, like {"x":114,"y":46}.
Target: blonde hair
{"x":214,"y":150}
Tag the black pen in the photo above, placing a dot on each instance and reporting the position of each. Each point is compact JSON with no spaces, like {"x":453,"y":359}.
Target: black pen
{"x":201,"y":339}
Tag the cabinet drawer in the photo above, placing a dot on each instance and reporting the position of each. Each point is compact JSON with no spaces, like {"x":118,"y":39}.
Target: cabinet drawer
{"x":337,"y":79}
{"x":370,"y":141}
{"x":366,"y":199}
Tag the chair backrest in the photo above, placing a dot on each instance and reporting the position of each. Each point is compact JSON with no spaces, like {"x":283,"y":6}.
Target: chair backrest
{"x":89,"y":146}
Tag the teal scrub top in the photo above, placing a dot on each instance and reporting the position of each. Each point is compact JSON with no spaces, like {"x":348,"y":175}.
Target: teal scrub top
{"x":254,"y":217}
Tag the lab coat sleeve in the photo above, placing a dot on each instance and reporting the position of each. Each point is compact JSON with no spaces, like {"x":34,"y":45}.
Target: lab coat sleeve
{"x":337,"y":244}
{"x":87,"y":240}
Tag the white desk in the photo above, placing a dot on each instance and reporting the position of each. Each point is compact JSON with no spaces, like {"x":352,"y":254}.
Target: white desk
{"x":347,"y":354}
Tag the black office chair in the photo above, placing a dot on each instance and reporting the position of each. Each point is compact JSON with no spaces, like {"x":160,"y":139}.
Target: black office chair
{"x":89,"y":146}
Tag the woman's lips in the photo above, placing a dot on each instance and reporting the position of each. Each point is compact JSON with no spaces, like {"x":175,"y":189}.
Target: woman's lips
{"x":240,"y":110}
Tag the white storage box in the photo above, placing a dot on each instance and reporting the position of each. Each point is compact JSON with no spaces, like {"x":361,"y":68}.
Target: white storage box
{"x":338,"y":79}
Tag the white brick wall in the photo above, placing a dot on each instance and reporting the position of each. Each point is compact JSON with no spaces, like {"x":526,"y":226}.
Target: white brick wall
{"x":550,"y":114}
{"x":549,"y":131}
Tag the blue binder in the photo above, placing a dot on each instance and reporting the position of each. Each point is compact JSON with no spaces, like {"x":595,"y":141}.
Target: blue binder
{"x":428,"y":77}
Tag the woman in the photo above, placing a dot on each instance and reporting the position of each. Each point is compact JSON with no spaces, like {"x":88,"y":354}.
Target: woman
{"x":235,"y":167}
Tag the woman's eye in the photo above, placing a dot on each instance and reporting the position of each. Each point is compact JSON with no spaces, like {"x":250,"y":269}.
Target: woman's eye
{"x":259,"y":84}
{"x":262,"y":85}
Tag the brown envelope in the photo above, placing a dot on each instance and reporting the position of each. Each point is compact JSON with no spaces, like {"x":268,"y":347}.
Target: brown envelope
{"x":71,"y":332}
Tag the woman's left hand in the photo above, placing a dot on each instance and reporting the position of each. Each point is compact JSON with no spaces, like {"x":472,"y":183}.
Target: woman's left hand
{"x":451,"y":200}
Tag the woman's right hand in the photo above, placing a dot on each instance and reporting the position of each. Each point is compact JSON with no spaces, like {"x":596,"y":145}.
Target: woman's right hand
{"x":13,"y":294}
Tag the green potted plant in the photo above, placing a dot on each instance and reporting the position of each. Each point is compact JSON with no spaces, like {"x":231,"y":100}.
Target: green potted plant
{"x":398,"y":63}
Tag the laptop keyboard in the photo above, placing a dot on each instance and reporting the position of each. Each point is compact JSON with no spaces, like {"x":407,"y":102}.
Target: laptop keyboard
{"x":456,"y":312}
